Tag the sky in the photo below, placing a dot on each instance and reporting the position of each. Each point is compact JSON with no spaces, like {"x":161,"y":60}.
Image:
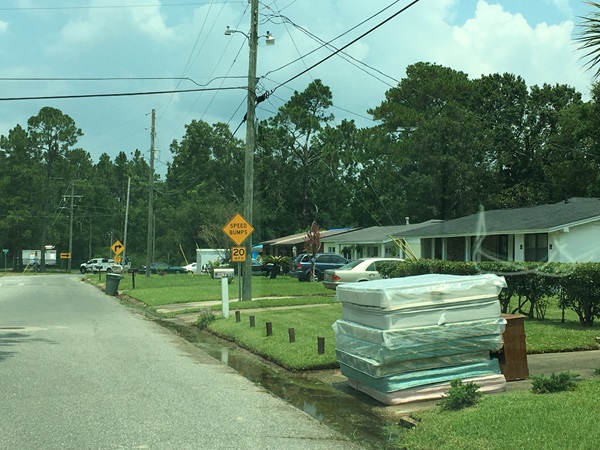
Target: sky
{"x":57,"y":48}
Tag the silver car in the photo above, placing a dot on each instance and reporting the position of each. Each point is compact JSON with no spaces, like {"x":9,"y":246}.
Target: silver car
{"x":364,"y":269}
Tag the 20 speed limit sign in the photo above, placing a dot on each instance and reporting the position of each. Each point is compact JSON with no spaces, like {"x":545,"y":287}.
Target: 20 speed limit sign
{"x":238,"y":254}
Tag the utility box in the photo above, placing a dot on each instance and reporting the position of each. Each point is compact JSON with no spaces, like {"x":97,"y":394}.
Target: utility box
{"x":513,"y":355}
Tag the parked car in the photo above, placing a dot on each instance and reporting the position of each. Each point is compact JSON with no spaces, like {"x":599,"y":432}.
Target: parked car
{"x":96,"y":265}
{"x":364,"y":269}
{"x":160,"y":267}
{"x":191,"y":268}
{"x":323,"y":261}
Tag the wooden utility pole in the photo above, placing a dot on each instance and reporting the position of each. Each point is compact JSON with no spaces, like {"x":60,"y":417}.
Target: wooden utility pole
{"x":150,"y":199}
{"x":249,"y":155}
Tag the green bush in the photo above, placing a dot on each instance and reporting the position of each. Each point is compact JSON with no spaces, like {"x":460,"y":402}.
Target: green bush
{"x":564,"y":381}
{"x":460,"y":395}
{"x":597,"y":371}
{"x":205,"y":317}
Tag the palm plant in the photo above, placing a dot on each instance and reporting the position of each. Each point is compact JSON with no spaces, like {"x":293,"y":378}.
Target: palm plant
{"x":589,"y":37}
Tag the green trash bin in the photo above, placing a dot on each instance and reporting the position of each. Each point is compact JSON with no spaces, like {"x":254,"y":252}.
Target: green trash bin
{"x":112,"y":283}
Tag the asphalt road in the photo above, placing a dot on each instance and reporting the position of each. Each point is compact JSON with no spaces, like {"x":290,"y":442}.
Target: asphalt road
{"x":80,"y":371}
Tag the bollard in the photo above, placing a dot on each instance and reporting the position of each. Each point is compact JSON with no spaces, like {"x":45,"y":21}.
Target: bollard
{"x":321,"y":345}
{"x":292,"y":334}
{"x":238,"y":319}
{"x":252,"y":322}
{"x":269,"y":329}
{"x":133,"y":279}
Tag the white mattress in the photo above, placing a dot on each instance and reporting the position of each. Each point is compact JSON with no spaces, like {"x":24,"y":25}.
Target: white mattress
{"x":423,"y":315}
{"x":403,"y":338}
{"x":487,"y":384}
{"x":421,"y":290}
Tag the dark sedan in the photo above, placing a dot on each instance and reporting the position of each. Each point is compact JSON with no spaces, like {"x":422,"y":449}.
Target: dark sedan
{"x":160,"y":267}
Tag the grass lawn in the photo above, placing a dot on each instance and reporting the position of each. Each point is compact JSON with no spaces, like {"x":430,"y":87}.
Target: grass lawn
{"x":161,"y":290}
{"x":523,"y":420}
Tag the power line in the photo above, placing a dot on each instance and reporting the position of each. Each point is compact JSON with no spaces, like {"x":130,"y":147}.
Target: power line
{"x":414,"y":2}
{"x":123,"y":94}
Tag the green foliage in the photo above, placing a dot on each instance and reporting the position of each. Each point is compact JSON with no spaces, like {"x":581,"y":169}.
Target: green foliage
{"x":513,"y":420}
{"x":597,"y":371}
{"x":460,"y":395}
{"x":564,"y":381}
{"x":205,"y":318}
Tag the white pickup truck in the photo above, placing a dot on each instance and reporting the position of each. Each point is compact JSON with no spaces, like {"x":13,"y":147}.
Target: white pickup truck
{"x":96,"y":265}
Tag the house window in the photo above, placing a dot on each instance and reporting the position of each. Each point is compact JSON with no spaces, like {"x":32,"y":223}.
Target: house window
{"x":330,"y":249}
{"x":455,"y":249}
{"x":536,"y":247}
{"x":492,"y":248}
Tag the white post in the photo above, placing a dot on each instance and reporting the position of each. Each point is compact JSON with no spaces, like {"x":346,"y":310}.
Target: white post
{"x":225,"y":296}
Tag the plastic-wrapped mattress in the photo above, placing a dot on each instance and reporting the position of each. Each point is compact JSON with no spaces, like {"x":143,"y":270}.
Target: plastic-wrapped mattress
{"x":487,"y":384}
{"x":409,"y":380}
{"x":410,"y":337}
{"x":377,"y":370}
{"x":425,"y":315}
{"x":421,"y":290}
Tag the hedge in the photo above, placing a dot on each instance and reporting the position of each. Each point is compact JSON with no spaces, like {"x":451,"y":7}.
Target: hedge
{"x":533,"y":284}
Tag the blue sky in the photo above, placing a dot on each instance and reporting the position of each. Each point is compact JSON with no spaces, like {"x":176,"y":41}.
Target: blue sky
{"x":133,"y":40}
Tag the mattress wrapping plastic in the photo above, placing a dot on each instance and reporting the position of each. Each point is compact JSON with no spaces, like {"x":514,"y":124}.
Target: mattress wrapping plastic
{"x":410,"y":337}
{"x":432,"y":289}
{"x":488,"y":384}
{"x":377,"y":370}
{"x":422,"y":315}
{"x":385,"y":355}
{"x":409,"y":380}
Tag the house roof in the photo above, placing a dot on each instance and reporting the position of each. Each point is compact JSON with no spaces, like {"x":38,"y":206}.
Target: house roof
{"x":535,"y":219}
{"x":298,"y":238}
{"x":374,"y":235}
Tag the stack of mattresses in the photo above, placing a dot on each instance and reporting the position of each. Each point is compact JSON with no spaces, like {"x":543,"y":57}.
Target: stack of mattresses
{"x":402,"y":340}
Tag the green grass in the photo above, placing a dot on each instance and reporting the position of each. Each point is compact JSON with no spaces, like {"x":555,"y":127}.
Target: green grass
{"x":514,"y":420}
{"x":169,"y":289}
{"x":309,"y":324}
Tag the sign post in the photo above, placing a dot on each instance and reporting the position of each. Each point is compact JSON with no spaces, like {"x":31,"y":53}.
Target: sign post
{"x":238,"y":230}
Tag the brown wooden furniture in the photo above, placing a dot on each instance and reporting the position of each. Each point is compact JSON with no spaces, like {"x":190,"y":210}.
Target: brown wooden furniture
{"x":513,"y":355}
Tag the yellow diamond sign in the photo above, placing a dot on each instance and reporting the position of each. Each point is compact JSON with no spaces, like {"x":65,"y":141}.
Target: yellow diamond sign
{"x":238,"y":229}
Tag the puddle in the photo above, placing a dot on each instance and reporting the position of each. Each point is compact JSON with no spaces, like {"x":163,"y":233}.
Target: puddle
{"x":334,"y":404}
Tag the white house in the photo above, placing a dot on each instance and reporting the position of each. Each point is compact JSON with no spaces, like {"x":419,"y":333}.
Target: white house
{"x":568,"y":231}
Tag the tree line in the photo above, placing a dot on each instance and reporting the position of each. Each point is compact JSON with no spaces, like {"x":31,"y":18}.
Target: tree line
{"x":442,"y":146}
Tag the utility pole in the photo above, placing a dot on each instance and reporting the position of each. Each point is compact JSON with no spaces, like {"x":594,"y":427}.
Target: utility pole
{"x":150,"y":198}
{"x":250,"y":140}
{"x":69,"y":265}
{"x":126,"y":219}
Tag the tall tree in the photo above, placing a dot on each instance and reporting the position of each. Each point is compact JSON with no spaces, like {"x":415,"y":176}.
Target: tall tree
{"x":51,"y":132}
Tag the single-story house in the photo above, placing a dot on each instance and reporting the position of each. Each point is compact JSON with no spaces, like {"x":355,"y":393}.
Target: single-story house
{"x":568,"y":231}
{"x":293,"y":245}
{"x":375,"y":241}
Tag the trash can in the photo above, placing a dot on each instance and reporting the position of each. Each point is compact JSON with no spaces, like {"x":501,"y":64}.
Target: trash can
{"x":112,"y":283}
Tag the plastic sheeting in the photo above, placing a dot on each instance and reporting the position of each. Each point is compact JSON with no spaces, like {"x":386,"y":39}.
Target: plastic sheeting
{"x":410,"y":337}
{"x":433,"y":289}
{"x":408,"y":380}
{"x":422,"y":315}
{"x":384,"y":355}
{"x":377,"y":370}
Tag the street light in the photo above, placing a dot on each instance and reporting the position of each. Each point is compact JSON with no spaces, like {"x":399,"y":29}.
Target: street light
{"x":250,"y":138}
{"x":269,"y":39}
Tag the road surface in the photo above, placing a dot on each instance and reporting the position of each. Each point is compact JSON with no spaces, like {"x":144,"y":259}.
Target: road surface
{"x":78,"y":370}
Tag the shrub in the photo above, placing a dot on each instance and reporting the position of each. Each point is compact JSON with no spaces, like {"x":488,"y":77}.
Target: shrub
{"x":460,"y":395}
{"x":597,"y":371}
{"x":205,"y":317}
{"x":564,"y":381}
